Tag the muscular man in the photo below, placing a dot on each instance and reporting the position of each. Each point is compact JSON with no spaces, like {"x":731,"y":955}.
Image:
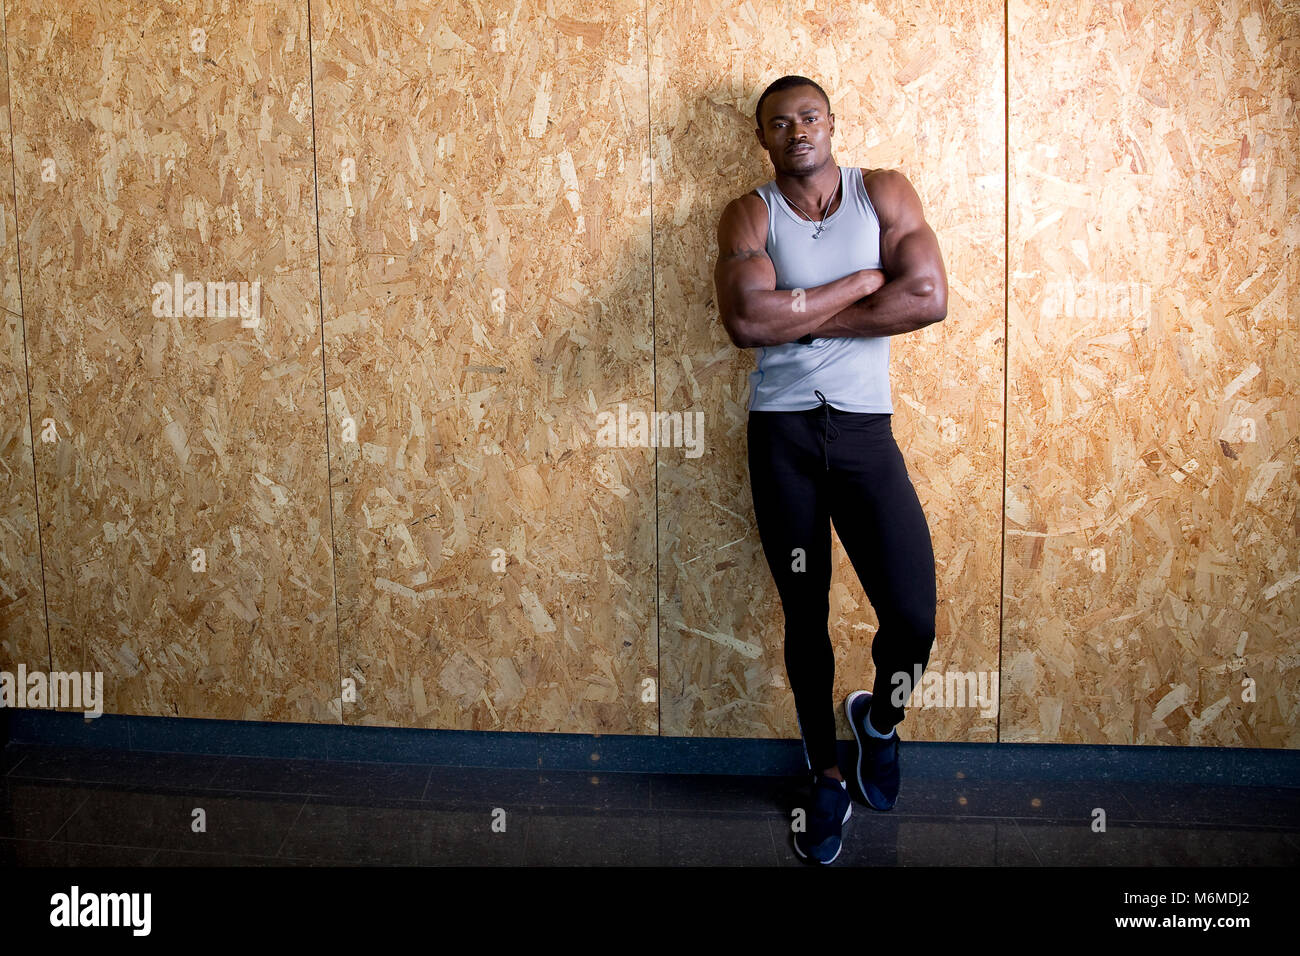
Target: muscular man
{"x":817,"y":269}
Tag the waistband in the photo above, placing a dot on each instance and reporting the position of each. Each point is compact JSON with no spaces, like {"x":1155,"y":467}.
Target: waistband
{"x":829,"y":414}
{"x":819,"y":409}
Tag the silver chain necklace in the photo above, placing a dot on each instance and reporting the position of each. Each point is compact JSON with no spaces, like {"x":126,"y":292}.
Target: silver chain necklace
{"x":821,"y":224}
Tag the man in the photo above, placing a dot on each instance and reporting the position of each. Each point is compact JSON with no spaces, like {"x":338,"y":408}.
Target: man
{"x":817,"y":269}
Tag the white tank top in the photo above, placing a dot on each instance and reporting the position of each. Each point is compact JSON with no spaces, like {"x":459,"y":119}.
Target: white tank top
{"x":853,"y":373}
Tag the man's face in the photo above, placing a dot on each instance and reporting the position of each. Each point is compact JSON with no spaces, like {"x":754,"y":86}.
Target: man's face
{"x":797,"y":130}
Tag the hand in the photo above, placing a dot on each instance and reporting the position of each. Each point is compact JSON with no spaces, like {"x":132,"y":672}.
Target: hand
{"x":872,"y":280}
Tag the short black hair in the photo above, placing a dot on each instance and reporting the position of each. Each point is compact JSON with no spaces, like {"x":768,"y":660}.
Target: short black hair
{"x":785,"y":83}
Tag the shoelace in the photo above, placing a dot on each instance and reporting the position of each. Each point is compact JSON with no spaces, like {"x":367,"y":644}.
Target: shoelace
{"x":828,"y":429}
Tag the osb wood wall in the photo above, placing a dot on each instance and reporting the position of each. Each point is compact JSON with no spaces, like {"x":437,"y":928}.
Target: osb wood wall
{"x":23,"y":636}
{"x":485,"y":260}
{"x":1152,"y":570}
{"x":394,"y":475}
{"x":185,"y":526}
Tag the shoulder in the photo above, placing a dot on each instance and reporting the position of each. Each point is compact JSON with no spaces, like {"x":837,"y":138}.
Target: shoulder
{"x":890,"y":193}
{"x":751,"y":201}
{"x":747,"y":211}
{"x":883,"y":180}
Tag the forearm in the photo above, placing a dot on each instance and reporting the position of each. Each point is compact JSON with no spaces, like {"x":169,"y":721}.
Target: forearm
{"x":900,"y":305}
{"x":783,"y":315}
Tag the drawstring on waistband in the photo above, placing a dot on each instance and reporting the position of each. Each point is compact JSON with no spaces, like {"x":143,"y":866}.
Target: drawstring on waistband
{"x":827,"y":431}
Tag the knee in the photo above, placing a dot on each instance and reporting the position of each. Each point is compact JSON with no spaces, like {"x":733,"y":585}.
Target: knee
{"x":805,"y":636}
{"x":916,"y":625}
{"x":804,"y":608}
{"x":808,"y":648}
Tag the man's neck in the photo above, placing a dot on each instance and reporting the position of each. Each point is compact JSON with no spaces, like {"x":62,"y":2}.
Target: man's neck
{"x":812,"y":193}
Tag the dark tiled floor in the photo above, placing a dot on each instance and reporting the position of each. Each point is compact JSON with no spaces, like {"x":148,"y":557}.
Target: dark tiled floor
{"x":62,"y":806}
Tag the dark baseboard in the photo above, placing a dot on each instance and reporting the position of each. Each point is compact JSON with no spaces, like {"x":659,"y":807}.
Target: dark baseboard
{"x":630,"y":753}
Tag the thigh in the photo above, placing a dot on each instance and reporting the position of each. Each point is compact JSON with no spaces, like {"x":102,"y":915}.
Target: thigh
{"x":788,"y":483}
{"x":880,"y":521}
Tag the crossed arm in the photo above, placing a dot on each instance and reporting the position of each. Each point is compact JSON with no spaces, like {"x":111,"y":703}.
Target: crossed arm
{"x":909,"y":292}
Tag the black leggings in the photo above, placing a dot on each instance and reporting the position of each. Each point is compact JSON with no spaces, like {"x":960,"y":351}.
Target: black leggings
{"x":826,"y":463}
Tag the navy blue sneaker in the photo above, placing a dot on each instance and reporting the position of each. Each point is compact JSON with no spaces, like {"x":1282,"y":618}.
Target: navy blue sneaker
{"x":828,"y":808}
{"x":878,"y":775}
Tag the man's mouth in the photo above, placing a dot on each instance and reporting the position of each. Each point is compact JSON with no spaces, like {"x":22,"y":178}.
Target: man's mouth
{"x":801,"y":148}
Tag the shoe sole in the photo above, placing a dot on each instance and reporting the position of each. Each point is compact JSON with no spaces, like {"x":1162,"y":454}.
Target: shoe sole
{"x":848,"y":712}
{"x":848,"y":812}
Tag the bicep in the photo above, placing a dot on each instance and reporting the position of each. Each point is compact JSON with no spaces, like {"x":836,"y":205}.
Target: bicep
{"x":908,"y":246}
{"x":743,"y":263}
{"x":915,"y":254}
{"x":744,"y":269}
